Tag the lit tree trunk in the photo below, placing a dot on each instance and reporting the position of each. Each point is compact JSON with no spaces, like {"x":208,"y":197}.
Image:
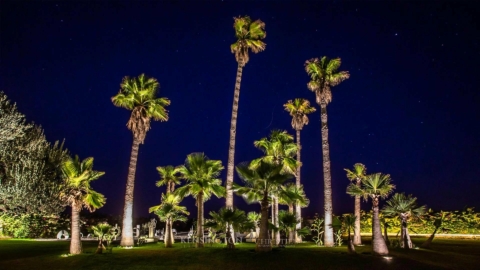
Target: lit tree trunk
{"x":357,"y":239}
{"x":127,"y":226}
{"x":351,"y":247}
{"x":427,"y":243}
{"x":291,"y":233}
{"x":405,"y":242}
{"x":298,"y":209}
{"x":75,"y":243}
{"x":379,"y":246}
{"x":276,"y":235}
{"x":263,"y":242}
{"x":327,"y":179}
{"x":168,"y":234}
{"x":233,"y":131}
{"x":229,"y":238}
{"x":200,"y":243}
{"x":100,"y":246}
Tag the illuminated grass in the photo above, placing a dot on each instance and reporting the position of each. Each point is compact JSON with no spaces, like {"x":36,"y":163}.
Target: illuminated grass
{"x":15,"y":254}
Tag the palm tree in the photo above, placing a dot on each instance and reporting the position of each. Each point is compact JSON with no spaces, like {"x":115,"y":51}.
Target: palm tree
{"x":299,"y":108}
{"x":279,"y":149}
{"x":359,"y":172}
{"x":405,"y":208}
{"x":101,"y":230}
{"x":254,"y":217}
{"x":350,"y":222}
{"x":375,"y":186}
{"x":78,"y":193}
{"x":249,"y":37}
{"x":202,"y":179}
{"x":287,"y":221}
{"x":228,"y":218}
{"x":324,"y":74}
{"x":169,"y":177}
{"x":170,"y":211}
{"x":260,"y":183}
{"x":292,"y":195}
{"x":139,"y":96}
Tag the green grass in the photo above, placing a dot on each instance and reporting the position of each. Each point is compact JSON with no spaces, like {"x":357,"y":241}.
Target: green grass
{"x":445,"y":254}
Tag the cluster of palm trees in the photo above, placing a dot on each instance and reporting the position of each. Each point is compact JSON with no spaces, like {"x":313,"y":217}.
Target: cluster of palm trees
{"x":379,"y":186}
{"x":139,"y":96}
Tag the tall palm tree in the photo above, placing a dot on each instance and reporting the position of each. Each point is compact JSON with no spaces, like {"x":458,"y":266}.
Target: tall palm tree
{"x":78,"y":193}
{"x":405,"y":208}
{"x":278,"y":149}
{"x":249,"y":36}
{"x":376,"y":186}
{"x":299,"y":108}
{"x":359,"y":172}
{"x":259,"y":184}
{"x":324,"y":74}
{"x":170,"y":211}
{"x":139,"y":96}
{"x":202,"y":179}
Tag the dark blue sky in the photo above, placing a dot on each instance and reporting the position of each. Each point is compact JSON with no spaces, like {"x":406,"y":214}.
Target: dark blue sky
{"x":409,"y":108}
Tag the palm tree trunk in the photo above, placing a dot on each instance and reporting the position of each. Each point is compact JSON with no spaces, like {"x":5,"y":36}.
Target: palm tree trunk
{"x":385,"y":234}
{"x":200,"y":243}
{"x":127,"y":226}
{"x":327,"y":179}
{"x":298,"y":209}
{"x":427,"y":243}
{"x":100,"y":246}
{"x":168,"y":234}
{"x":291,"y":232}
{"x":351,"y":247}
{"x":233,"y":131}
{"x":263,"y":242}
{"x":75,"y":243}
{"x":357,"y":239}
{"x":406,"y":242}
{"x":379,"y":246}
{"x":275,"y":221}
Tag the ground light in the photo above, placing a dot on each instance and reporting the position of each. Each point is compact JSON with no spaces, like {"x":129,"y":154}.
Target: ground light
{"x":388,"y":258}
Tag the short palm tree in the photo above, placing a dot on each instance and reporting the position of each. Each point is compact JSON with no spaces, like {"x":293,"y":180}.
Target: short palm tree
{"x":101,"y":230}
{"x":376,"y":186}
{"x":202,"y":179}
{"x":254,"y":217}
{"x":170,"y":211}
{"x":404,"y":208}
{"x":292,"y":195}
{"x":299,"y":108}
{"x":349,"y":222}
{"x":287,"y":222}
{"x":249,"y":36}
{"x":78,"y":193}
{"x":279,"y":149}
{"x":228,"y":218}
{"x":324,"y":74}
{"x":259,"y":184}
{"x":169,"y":177}
{"x":139,"y":96}
{"x":355,"y":176}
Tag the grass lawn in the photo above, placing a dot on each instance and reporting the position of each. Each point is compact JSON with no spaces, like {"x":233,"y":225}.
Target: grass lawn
{"x":445,"y":254}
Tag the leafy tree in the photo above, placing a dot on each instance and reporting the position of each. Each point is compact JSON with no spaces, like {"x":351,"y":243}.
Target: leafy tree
{"x":404,"y":208}
{"x":299,"y":108}
{"x":355,"y":176}
{"x":376,"y":186}
{"x":287,"y":222}
{"x":259,"y":184}
{"x":292,"y":195}
{"x":202,"y":179}
{"x":249,"y":36}
{"x":254,"y":217}
{"x":324,"y":74}
{"x":78,"y":193}
{"x":139,"y":96}
{"x":170,"y":211}
{"x":101,"y":230}
{"x":30,"y":175}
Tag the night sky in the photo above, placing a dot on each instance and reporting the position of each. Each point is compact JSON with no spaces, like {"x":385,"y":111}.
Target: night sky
{"x":409,"y":108}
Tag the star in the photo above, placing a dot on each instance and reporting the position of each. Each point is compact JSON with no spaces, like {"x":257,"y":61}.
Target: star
{"x":396,"y":34}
